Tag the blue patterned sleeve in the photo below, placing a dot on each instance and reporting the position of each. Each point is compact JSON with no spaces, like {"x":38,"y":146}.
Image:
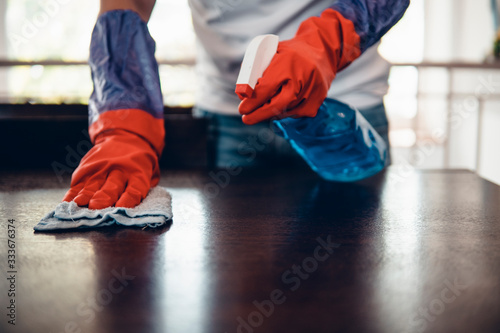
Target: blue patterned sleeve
{"x":124,"y":69}
{"x":371,"y":18}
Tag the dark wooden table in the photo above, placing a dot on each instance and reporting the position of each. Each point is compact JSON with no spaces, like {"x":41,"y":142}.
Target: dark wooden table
{"x":264,"y":252}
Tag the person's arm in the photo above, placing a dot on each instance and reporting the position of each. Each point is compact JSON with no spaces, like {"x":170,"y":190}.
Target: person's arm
{"x":125,"y":110}
{"x":142,"y":7}
{"x":299,"y":76}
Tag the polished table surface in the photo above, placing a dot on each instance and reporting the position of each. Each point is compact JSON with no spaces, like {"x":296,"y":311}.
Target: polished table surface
{"x":413,"y":251}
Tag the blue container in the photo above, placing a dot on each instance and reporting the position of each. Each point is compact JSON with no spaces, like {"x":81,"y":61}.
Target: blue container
{"x":339,"y":144}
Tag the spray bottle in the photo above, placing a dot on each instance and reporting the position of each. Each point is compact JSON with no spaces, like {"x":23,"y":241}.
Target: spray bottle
{"x":339,"y":144}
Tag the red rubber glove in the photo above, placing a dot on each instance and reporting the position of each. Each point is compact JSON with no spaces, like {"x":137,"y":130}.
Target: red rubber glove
{"x":298,"y":78}
{"x":119,"y":170}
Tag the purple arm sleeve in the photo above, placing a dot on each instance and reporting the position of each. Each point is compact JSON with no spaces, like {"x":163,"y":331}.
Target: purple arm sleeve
{"x":124,"y":69}
{"x":371,"y":18}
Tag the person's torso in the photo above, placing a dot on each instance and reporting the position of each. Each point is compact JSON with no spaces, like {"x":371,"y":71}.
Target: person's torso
{"x":224,"y":29}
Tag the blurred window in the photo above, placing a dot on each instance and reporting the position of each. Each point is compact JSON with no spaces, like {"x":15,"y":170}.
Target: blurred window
{"x":58,"y":31}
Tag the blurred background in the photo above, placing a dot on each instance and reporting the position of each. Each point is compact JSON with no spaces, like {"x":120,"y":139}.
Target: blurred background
{"x":443,"y":103}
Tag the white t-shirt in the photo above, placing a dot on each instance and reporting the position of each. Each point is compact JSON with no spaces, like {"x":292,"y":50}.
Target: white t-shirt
{"x":224,"y":29}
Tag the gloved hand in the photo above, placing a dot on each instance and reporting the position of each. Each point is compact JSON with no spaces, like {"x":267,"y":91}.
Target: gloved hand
{"x":298,"y":78}
{"x":119,"y":170}
{"x":126,"y":116}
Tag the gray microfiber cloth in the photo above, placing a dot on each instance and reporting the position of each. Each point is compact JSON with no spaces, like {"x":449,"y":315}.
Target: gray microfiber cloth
{"x":154,"y":211}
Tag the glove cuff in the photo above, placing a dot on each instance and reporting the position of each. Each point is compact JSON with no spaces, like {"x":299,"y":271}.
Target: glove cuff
{"x":134,"y":121}
{"x":127,"y":92}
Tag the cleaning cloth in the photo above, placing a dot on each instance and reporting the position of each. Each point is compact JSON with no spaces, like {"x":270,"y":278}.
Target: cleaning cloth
{"x":154,"y":211}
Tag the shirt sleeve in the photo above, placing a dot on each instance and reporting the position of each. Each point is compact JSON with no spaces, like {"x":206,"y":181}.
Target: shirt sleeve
{"x":371,"y":18}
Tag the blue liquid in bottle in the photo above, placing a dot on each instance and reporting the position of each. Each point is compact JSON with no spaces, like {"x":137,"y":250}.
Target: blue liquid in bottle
{"x":338,"y":144}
